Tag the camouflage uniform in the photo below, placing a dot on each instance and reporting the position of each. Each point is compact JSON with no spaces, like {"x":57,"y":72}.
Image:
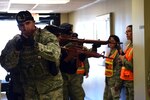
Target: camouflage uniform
{"x":73,"y":89}
{"x":129,"y":84}
{"x":114,"y":81}
{"x":37,"y":81}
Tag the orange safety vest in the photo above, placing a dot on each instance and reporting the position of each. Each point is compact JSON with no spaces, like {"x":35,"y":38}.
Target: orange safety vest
{"x":81,"y":69}
{"x":125,"y":73}
{"x":109,"y":64}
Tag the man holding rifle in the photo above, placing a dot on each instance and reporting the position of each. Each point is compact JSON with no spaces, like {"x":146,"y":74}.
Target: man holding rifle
{"x":73,"y":65}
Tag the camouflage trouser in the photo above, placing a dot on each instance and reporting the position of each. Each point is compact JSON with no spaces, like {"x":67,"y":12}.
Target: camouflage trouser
{"x":73,"y":87}
{"x":129,"y":90}
{"x":46,"y":89}
{"x":54,"y":95}
{"x":110,"y":92}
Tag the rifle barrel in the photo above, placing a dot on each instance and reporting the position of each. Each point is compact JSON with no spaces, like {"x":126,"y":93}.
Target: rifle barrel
{"x":88,"y":41}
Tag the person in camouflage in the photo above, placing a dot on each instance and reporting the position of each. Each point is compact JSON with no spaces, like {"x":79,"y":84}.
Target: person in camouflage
{"x":35,"y":53}
{"x":127,"y":66}
{"x":72,"y":87}
{"x":113,"y":82}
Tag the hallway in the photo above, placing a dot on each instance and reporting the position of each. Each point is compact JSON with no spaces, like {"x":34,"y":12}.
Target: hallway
{"x":94,"y":84}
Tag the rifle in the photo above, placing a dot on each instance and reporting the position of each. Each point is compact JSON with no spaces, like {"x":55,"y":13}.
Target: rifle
{"x":81,"y":41}
{"x":78,"y":53}
{"x":57,"y":31}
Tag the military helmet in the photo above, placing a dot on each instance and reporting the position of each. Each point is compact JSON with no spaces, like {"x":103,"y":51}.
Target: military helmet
{"x":53,"y":29}
{"x":66,"y":27}
{"x":23,"y":16}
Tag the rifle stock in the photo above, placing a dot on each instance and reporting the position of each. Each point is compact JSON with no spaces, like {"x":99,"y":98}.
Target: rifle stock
{"x":76,"y":51}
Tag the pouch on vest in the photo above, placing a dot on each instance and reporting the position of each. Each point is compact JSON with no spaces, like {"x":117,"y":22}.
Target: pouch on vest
{"x":52,"y":68}
{"x":81,"y":69}
{"x":126,"y":74}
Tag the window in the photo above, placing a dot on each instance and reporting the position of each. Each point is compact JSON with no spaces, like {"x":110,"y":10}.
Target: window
{"x":8,"y":29}
{"x":103,"y":30}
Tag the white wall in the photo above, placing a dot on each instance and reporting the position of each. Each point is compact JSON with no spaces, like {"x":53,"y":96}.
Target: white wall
{"x":8,"y":30}
{"x":84,"y":24}
{"x":141,"y":40}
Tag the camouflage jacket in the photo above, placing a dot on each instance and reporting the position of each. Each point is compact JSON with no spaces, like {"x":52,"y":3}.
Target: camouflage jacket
{"x":32,"y":62}
{"x":70,"y":67}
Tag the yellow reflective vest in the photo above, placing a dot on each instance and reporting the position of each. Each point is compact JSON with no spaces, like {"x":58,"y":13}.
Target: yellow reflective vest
{"x":109,"y":64}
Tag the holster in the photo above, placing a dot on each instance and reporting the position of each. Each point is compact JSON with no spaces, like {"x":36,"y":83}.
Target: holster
{"x":52,"y":68}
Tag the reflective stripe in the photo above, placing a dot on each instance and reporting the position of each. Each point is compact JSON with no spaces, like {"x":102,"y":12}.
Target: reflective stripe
{"x":127,"y":74}
{"x":109,"y":73}
{"x":81,"y":69}
{"x":109,"y":64}
{"x":129,"y":54}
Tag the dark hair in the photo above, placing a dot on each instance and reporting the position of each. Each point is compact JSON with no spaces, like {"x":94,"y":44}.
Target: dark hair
{"x":116,"y":38}
{"x":117,"y":46}
{"x":130,"y":26}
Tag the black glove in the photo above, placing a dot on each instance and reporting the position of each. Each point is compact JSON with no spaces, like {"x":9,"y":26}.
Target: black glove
{"x":29,"y":41}
{"x":82,"y":57}
{"x":7,"y":78}
{"x":23,"y":41}
{"x":52,"y":68}
{"x":96,"y":45}
{"x":20,"y":43}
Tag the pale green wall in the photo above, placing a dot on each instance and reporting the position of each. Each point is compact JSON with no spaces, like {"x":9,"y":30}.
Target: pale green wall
{"x":64,"y":17}
{"x":147,"y":36}
{"x":139,"y":49}
{"x":141,"y":22}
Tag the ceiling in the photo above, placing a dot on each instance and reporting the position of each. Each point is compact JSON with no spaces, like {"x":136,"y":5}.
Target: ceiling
{"x":7,"y":6}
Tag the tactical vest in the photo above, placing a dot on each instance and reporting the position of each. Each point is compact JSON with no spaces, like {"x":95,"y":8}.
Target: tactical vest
{"x":109,"y":64}
{"x":125,"y":73}
{"x":31,"y":65}
{"x":81,"y":69}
